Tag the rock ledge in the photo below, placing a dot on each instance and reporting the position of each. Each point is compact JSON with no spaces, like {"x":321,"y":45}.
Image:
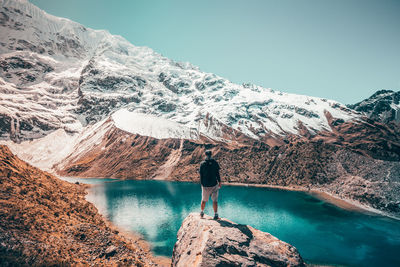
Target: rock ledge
{"x":206,"y":242}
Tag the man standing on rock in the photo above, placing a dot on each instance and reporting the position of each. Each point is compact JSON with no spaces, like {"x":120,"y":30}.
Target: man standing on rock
{"x":210,"y":183}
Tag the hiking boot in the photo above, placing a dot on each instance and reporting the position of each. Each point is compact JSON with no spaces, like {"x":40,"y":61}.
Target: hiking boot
{"x":216,"y":216}
{"x":201,"y":214}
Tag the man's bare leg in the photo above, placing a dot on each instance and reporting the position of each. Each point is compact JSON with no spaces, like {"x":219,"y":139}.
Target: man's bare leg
{"x":203,"y":205}
{"x":215,"y":206}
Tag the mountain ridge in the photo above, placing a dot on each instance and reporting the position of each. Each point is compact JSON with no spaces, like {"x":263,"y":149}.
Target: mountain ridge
{"x":108,"y":73}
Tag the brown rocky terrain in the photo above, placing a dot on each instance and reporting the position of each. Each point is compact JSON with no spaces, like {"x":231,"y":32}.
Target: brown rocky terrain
{"x":120,"y":155}
{"x":45,"y":222}
{"x":368,"y":137}
{"x":207,"y":242}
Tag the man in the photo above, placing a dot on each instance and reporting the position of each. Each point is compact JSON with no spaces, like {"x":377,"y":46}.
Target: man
{"x":210,"y":183}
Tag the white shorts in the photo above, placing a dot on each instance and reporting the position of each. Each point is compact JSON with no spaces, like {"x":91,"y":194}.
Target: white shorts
{"x":207,"y":191}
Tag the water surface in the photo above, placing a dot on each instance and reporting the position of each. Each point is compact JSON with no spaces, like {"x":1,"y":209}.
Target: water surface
{"x":323,"y":233}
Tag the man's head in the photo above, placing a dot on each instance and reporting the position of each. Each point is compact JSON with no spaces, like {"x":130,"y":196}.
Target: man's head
{"x":208,"y":154}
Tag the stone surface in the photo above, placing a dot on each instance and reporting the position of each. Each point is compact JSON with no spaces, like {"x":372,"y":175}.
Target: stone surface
{"x":207,"y":242}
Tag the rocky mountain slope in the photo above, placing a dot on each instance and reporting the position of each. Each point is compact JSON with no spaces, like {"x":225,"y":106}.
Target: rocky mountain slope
{"x":207,"y":242}
{"x":382,"y":106}
{"x":45,"y":221}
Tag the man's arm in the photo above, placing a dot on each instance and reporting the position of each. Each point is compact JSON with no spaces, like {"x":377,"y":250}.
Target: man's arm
{"x":201,"y":172}
{"x":217,"y":174}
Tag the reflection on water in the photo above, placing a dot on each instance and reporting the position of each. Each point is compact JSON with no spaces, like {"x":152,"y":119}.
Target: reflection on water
{"x":322,"y":232}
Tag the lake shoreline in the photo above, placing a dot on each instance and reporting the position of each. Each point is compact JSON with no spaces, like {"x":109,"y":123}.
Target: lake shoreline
{"x":134,"y":237}
{"x":345,"y":204}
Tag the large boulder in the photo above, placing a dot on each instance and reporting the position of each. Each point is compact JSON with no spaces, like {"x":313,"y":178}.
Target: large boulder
{"x":208,"y":242}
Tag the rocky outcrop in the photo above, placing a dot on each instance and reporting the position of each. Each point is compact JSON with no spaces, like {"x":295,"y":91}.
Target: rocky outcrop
{"x":47,"y":222}
{"x":208,"y":242}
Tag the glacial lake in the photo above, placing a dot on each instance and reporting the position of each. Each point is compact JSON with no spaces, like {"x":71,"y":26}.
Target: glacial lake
{"x":322,"y":232}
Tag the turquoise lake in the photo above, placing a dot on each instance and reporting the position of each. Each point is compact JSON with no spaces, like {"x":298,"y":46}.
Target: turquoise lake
{"x":322,"y":232}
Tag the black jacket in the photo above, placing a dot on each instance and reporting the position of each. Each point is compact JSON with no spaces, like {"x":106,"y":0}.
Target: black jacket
{"x":209,"y":173}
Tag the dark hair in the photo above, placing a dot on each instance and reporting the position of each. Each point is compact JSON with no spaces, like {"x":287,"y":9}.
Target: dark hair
{"x":208,"y":152}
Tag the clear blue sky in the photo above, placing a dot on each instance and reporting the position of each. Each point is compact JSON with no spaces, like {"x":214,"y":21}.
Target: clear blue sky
{"x":338,"y":49}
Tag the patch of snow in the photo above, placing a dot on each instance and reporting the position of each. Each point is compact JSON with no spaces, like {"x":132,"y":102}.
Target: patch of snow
{"x":150,"y":125}
{"x":53,"y":148}
{"x":44,"y":152}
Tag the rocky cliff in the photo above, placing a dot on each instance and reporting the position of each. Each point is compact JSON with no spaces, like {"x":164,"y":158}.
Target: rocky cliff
{"x":382,"y":106}
{"x":45,"y":221}
{"x":207,"y":242}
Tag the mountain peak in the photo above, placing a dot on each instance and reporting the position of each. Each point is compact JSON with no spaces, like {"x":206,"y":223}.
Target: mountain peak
{"x":383,"y":105}
{"x":73,"y":76}
{"x":381,"y":92}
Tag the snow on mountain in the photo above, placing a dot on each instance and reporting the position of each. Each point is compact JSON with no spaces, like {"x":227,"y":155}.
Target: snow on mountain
{"x":29,"y":28}
{"x":58,"y":74}
{"x":53,"y":148}
{"x":46,"y":151}
{"x":383,"y":106}
{"x":149,"y":125}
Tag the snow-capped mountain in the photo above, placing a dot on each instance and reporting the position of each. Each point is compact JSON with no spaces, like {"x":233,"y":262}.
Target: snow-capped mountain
{"x":55,"y":73}
{"x":382,"y":106}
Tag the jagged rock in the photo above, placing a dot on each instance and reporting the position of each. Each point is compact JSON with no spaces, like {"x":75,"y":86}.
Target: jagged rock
{"x":207,"y":242}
